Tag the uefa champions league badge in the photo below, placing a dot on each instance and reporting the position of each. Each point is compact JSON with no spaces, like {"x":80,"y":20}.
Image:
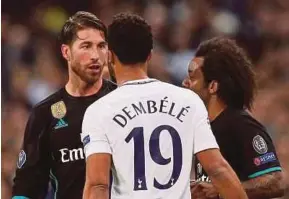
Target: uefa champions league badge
{"x":58,"y":110}
{"x":21,"y":159}
{"x":259,"y":145}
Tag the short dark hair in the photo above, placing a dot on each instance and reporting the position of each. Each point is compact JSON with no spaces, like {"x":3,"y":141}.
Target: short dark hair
{"x":130,"y":38}
{"x":228,"y":64}
{"x":79,"y":21}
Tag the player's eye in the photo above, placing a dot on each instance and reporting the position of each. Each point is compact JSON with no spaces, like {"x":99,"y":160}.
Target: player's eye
{"x":102,"y":45}
{"x":85,"y":46}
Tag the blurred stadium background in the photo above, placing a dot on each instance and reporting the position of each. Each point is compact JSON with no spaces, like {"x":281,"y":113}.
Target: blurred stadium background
{"x":32,"y":67}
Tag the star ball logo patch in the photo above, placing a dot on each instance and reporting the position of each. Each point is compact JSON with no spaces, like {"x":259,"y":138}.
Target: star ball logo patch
{"x":21,"y":159}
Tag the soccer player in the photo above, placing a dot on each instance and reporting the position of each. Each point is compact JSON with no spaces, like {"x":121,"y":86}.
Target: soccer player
{"x":148,"y":130}
{"x":221,"y":74}
{"x":52,"y":147}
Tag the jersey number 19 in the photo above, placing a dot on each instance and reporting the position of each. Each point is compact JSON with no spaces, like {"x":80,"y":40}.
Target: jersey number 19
{"x":154,"y":147}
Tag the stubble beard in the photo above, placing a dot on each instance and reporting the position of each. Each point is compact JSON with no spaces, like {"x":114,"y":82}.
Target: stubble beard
{"x":85,"y":76}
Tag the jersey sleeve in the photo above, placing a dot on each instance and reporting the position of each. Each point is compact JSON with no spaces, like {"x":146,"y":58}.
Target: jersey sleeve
{"x":258,"y":155}
{"x":203,"y":135}
{"x":93,"y":134}
{"x":32,"y":174}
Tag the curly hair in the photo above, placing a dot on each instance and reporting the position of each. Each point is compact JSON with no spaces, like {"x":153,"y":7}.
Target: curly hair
{"x":130,"y":38}
{"x":80,"y":20}
{"x":228,"y":64}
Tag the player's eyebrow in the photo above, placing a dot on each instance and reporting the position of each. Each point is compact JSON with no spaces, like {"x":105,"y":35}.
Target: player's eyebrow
{"x":102,"y":43}
{"x":89,"y":43}
{"x":85,"y":42}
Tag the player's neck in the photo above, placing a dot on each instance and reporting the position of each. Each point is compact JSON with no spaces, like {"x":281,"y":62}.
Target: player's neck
{"x":215,"y":107}
{"x":130,"y":72}
{"x":77,"y":87}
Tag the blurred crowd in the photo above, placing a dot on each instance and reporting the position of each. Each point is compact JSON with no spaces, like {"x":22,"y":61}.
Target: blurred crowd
{"x":32,"y":67}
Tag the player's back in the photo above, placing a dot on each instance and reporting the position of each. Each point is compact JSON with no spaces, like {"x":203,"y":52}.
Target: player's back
{"x":150,"y":130}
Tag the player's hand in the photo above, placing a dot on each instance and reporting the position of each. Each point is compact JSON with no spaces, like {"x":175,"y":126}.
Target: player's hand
{"x":209,"y":190}
{"x":196,"y":191}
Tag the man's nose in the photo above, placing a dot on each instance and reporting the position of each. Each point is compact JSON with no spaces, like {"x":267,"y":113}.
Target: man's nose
{"x":94,"y":54}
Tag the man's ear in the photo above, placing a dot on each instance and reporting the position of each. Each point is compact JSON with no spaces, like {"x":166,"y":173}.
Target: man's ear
{"x":110,"y":66}
{"x":65,"y":50}
{"x":213,"y":87}
{"x":110,"y":57}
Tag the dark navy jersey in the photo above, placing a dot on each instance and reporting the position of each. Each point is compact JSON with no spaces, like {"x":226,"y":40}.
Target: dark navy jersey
{"x":244,"y":143}
{"x":52,"y":148}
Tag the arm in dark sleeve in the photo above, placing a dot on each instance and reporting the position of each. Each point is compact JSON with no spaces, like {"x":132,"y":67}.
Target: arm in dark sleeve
{"x":270,"y":185}
{"x":32,"y":174}
{"x":257,"y":151}
{"x":260,"y":166}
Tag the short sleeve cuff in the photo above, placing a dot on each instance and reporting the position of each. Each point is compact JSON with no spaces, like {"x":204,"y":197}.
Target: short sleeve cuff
{"x":265,"y":171}
{"x":93,"y":147}
{"x":206,"y":146}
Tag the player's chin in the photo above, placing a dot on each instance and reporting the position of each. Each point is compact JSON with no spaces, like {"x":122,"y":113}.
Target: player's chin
{"x":92,"y":78}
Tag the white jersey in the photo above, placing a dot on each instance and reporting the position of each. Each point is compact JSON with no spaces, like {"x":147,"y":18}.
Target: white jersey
{"x":152,"y":130}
